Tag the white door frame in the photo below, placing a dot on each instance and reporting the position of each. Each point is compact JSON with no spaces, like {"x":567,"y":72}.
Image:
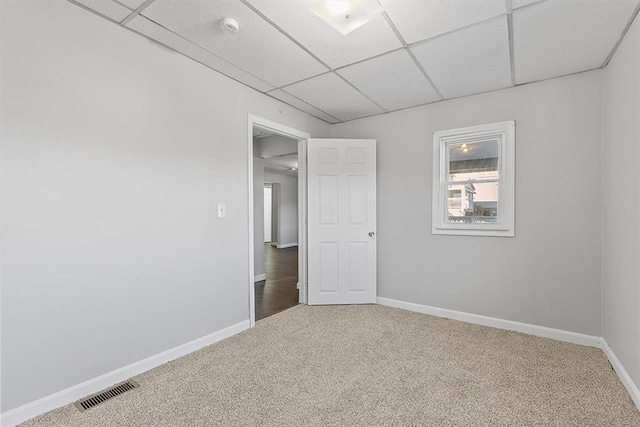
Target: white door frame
{"x":301,"y":137}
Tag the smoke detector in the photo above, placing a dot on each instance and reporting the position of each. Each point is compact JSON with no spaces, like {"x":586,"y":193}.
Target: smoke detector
{"x":229,"y":25}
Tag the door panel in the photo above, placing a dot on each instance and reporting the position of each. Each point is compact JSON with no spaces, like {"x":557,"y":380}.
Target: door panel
{"x":328,"y":195}
{"x":357,"y":200}
{"x":328,"y":268}
{"x":358,"y":254}
{"x":341,"y":221}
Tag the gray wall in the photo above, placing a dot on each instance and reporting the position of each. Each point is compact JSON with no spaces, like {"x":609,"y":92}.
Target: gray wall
{"x":621,"y":245}
{"x":287,"y":220}
{"x":115,"y":154}
{"x":549,"y":274}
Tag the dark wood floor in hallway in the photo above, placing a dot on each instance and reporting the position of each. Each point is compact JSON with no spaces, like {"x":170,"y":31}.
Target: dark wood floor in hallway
{"x":279,"y":291}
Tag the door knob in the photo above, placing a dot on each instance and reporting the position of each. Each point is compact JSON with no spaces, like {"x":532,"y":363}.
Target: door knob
{"x":371,"y":234}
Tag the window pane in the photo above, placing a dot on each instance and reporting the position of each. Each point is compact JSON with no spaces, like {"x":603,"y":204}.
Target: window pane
{"x":471,"y":198}
{"x":473,"y":160}
{"x":475,"y":203}
{"x":455,"y":199}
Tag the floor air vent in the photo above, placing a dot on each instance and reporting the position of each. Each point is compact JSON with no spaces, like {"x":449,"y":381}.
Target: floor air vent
{"x":103,"y":396}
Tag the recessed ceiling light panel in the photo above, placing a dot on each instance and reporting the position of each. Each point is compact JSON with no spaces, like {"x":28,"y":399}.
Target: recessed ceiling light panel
{"x":346,"y":15}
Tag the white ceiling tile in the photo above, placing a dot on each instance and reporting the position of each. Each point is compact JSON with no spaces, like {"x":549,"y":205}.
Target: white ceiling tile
{"x":559,"y":37}
{"x":519,"y":3}
{"x":107,"y":8}
{"x":169,"y":39}
{"x":133,"y":4}
{"x":419,"y":20}
{"x":333,"y":95}
{"x":392,"y":80}
{"x":258,"y":47}
{"x":472,"y":60}
{"x":301,"y":105}
{"x":282,"y":164}
{"x":336,"y":50}
{"x":462,"y":44}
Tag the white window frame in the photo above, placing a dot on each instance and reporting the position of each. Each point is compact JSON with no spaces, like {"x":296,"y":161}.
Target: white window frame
{"x":504,"y":226}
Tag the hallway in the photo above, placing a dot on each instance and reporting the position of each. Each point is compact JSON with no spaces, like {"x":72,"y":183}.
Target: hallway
{"x":279,"y":291}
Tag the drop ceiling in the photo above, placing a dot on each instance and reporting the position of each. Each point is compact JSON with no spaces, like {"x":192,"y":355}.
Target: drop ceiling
{"x":414,"y":53}
{"x":279,"y":153}
{"x":283,"y":165}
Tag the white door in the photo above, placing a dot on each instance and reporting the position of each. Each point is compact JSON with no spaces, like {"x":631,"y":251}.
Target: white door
{"x":341,"y":192}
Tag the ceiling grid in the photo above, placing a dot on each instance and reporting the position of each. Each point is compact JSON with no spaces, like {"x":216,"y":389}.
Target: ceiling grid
{"x":626,"y":28}
{"x":405,"y":46}
{"x":413,"y":53}
{"x":277,"y":27}
{"x":136,"y":12}
{"x":510,"y":25}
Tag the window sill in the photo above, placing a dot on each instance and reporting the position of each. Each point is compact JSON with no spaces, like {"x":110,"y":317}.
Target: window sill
{"x":473,"y":232}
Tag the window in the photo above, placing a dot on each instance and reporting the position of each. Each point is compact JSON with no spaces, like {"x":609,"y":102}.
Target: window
{"x":473,"y":180}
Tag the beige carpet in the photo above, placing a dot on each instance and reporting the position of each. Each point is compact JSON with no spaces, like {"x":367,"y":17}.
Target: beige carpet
{"x":370,"y":366}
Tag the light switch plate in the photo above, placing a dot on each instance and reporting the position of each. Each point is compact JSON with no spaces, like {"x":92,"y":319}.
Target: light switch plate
{"x":222,"y":210}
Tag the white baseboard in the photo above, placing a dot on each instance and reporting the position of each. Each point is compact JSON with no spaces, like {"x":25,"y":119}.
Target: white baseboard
{"x":76,"y":392}
{"x":259,"y":278}
{"x":540,"y":331}
{"x":71,"y":394}
{"x":628,"y":383}
{"x":287,"y":245}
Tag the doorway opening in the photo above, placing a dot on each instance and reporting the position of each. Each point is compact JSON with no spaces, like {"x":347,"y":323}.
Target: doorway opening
{"x":278,"y":291}
{"x":276,"y":262}
{"x":277,"y":239}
